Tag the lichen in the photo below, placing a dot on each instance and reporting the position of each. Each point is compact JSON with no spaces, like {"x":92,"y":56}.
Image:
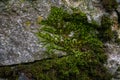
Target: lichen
{"x":39,"y":19}
{"x":27,"y":23}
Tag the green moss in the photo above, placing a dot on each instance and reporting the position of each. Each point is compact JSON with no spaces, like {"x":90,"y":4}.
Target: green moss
{"x":110,"y":5}
{"x":65,"y":68}
{"x":83,"y":47}
{"x":5,"y":1}
{"x":105,"y":31}
{"x":117,"y":41}
{"x":85,"y":54}
{"x":7,"y":72}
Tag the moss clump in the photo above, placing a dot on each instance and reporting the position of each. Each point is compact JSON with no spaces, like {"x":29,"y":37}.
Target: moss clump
{"x":110,"y":5}
{"x":7,"y":72}
{"x":4,"y":1}
{"x":105,"y":31}
{"x":82,"y":47}
{"x":117,"y":41}
{"x":65,"y":68}
{"x":72,"y":34}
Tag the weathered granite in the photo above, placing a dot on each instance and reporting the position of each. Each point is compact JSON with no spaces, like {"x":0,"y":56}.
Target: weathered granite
{"x":18,"y":42}
{"x":113,"y":52}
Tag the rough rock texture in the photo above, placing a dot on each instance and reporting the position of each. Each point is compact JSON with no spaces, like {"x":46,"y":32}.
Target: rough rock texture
{"x":92,"y":8}
{"x":117,"y":75}
{"x":19,"y":21}
{"x":18,"y":42}
{"x":113,"y":51}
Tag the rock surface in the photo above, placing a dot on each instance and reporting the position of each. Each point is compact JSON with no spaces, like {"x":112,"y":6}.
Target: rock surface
{"x":117,"y":75}
{"x":19,"y":21}
{"x":113,"y":52}
{"x":18,"y":42}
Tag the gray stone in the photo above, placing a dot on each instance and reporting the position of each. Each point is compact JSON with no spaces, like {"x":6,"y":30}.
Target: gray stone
{"x":118,"y":1}
{"x":113,"y":52}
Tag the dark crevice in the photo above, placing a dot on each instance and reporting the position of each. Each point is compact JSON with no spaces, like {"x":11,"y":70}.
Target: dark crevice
{"x":118,"y":14}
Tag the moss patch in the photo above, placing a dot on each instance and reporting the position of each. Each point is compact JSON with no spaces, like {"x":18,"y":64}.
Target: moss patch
{"x":70,"y":33}
{"x":105,"y":31}
{"x":110,"y":5}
